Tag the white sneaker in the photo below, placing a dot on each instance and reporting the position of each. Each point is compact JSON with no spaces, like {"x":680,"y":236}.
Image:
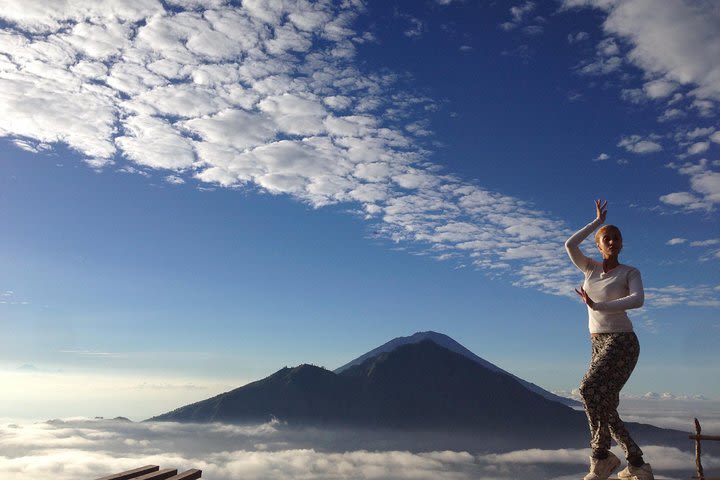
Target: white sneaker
{"x":601,"y":469}
{"x":637,"y":473}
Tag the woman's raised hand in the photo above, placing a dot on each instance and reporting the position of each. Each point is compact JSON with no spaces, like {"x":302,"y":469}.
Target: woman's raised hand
{"x":601,"y":208}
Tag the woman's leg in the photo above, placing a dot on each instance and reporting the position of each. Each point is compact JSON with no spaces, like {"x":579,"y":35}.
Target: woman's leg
{"x":628,"y":351}
{"x":592,"y":391}
{"x":614,"y":356}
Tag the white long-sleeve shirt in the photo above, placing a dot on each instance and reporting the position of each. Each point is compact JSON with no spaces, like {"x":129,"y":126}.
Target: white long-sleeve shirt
{"x":613,"y":292}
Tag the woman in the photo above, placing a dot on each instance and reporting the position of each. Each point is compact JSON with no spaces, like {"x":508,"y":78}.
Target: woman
{"x":609,"y":289}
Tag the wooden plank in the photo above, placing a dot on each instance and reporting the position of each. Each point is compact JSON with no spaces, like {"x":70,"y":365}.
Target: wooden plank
{"x":192,"y":474}
{"x":127,"y":475}
{"x":159,"y":475}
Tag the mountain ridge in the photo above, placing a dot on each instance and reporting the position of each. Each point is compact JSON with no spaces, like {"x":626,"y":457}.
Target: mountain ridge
{"x":452,"y":345}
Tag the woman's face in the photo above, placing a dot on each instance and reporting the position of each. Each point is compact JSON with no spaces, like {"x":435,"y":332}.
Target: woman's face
{"x":610,"y":243}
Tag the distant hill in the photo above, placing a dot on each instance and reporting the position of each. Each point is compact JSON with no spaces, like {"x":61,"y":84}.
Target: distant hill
{"x":415,"y":386}
{"x":452,"y":345}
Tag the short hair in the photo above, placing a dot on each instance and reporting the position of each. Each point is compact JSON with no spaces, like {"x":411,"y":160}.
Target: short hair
{"x":601,"y":231}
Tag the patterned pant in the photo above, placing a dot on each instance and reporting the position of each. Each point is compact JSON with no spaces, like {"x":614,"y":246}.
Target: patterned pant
{"x":614,"y":356}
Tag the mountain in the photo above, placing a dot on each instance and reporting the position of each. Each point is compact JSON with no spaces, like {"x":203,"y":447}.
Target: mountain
{"x":419,"y":385}
{"x":419,"y":395}
{"x":452,"y":345}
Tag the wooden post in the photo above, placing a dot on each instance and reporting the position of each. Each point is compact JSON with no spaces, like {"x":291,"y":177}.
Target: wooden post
{"x":700,"y":472}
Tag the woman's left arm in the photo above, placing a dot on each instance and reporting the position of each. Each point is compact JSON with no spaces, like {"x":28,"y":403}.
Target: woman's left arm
{"x":634,"y":299}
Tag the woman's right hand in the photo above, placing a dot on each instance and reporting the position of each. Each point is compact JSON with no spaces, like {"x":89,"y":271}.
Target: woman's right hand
{"x":601,"y":209}
{"x":585,"y":298}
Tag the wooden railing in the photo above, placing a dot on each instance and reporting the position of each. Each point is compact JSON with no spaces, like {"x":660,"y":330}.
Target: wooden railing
{"x":699,"y":437}
{"x":153,"y":472}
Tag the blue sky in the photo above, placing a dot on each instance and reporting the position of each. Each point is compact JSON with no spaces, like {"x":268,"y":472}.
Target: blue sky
{"x":198,"y":193}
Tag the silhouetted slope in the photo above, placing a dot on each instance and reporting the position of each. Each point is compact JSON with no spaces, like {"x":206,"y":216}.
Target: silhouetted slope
{"x":415,"y":386}
{"x":424,"y":384}
{"x":305,"y":393}
{"x":452,"y":345}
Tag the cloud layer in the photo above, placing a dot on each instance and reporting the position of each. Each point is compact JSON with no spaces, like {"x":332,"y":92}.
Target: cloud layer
{"x":79,"y":448}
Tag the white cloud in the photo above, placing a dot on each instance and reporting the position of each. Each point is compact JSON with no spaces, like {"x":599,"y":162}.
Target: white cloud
{"x":662,"y":458}
{"x":338,"y":102}
{"x":187,"y":101}
{"x":520,"y":14}
{"x":670,"y":41}
{"x":705,"y":108}
{"x":699,"y":132}
{"x":682,"y":199}
{"x":155,"y":143}
{"x":174,"y":180}
{"x":698,"y":147}
{"x":32,"y":146}
{"x":294,"y":114}
{"x":659,"y":88}
{"x":715,"y":137}
{"x":705,"y":243}
{"x":39,"y":16}
{"x":235,"y":128}
{"x":520,"y":11}
{"x":672,"y":410}
{"x":608,"y":47}
{"x":48,"y":109}
{"x":602,"y":66}
{"x":416,"y":29}
{"x":672,"y":295}
{"x":533,"y":29}
{"x":711,"y":247}
{"x":9,"y":297}
{"x":705,"y":185}
{"x":637,"y":144}
{"x":99,"y":42}
{"x":633,"y":95}
{"x":537,"y":455}
{"x":711,"y":250}
{"x":601,"y":157}
{"x":507,"y":26}
{"x":578,"y":37}
{"x":708,"y":184}
{"x":671,"y":114}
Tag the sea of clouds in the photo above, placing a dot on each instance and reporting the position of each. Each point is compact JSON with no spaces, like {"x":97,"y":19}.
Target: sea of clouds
{"x":77,"y":448}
